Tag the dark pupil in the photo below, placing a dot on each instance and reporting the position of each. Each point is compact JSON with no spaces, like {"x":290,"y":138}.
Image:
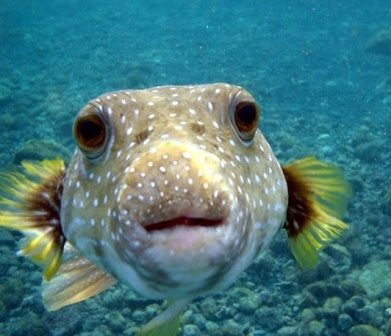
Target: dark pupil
{"x":89,"y":130}
{"x":246,"y":113}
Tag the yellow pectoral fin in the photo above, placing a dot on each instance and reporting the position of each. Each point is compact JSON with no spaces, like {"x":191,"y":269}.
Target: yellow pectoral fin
{"x":30,"y":203}
{"x":317,"y":199}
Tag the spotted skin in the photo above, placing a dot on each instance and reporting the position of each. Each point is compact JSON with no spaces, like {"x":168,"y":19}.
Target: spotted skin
{"x":172,"y":152}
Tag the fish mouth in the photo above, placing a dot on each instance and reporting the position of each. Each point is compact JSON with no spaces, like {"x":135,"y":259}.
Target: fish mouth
{"x":183,"y":222}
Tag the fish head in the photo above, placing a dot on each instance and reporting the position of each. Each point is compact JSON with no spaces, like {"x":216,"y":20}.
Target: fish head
{"x":173,"y":189}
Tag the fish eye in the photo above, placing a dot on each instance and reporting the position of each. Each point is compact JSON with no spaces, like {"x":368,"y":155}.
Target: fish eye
{"x":90,"y":134}
{"x":245,"y":118}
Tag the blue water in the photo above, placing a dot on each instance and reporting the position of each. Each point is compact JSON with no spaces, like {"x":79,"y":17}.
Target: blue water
{"x":321,"y":91}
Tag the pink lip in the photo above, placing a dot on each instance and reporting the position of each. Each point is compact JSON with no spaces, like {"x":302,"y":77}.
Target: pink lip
{"x":183,"y":221}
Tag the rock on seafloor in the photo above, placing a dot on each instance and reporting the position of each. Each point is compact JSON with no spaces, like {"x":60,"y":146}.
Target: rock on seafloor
{"x":36,"y":149}
{"x":365,"y":330}
{"x":380,"y":43}
{"x":375,"y":278}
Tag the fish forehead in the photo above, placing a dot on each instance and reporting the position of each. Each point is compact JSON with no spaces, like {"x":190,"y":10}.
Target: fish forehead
{"x":208,"y":104}
{"x":193,"y":114}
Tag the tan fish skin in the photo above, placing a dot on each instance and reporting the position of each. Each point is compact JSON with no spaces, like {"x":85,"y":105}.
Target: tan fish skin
{"x":173,"y":191}
{"x":173,"y":152}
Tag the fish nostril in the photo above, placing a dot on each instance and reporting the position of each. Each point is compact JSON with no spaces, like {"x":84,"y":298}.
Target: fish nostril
{"x":197,"y":128}
{"x":142,"y":136}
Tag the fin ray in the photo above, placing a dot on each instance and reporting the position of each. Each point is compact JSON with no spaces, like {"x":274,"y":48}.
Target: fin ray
{"x":77,"y":280}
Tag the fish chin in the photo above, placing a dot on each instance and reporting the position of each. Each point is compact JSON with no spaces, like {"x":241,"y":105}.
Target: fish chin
{"x":182,"y":256}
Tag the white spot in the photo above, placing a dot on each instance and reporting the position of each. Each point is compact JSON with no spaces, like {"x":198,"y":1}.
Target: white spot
{"x":175,"y":103}
{"x":95,"y":202}
{"x":129,"y":131}
{"x":193,"y":112}
{"x":162,"y":169}
{"x":150,"y":103}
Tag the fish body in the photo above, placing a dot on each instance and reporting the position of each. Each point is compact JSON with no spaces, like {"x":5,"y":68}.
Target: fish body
{"x":171,"y":190}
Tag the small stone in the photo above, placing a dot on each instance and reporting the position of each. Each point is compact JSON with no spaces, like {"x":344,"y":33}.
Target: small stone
{"x":332,"y":307}
{"x":307,"y":315}
{"x":269,"y":318}
{"x":211,"y":326}
{"x":209,"y":308}
{"x":368,"y":152}
{"x":249,"y":304}
{"x":353,"y":304}
{"x":380,"y":43}
{"x":375,"y":277}
{"x":316,"y":328}
{"x":322,"y":290}
{"x":138,"y":316}
{"x":365,"y":330}
{"x":191,"y":330}
{"x":370,"y":314}
{"x":287,"y":331}
{"x":307,"y":300}
{"x":340,"y":257}
{"x":41,"y":149}
{"x":344,"y":322}
{"x":115,"y":321}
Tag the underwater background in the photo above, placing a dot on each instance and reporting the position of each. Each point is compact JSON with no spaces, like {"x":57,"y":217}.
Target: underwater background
{"x":321,"y":71}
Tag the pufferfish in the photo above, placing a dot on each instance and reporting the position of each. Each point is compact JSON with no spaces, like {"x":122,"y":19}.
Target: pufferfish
{"x":172,"y":191}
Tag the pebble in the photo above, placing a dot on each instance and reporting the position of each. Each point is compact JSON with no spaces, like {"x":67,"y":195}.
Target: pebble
{"x":191,"y":330}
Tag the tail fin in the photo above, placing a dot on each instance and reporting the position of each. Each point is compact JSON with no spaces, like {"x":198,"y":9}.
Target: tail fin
{"x":32,"y":206}
{"x":318,"y":195}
